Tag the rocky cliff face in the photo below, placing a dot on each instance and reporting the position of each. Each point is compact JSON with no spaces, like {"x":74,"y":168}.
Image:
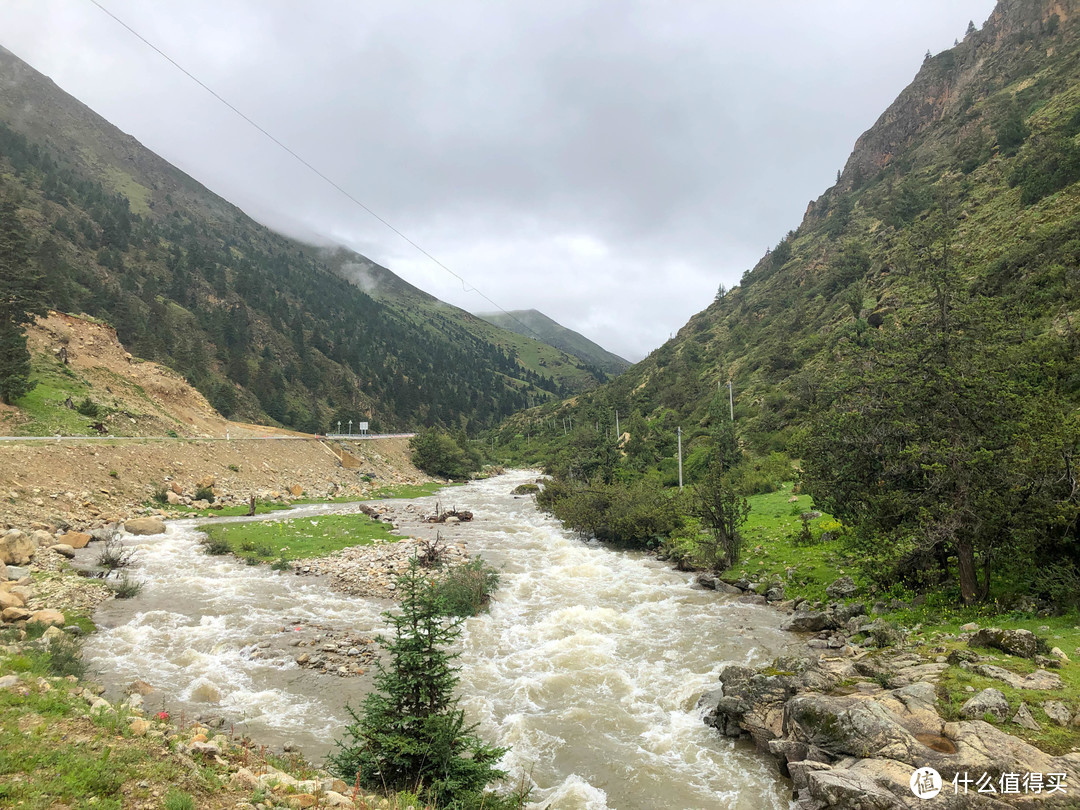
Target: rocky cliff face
{"x":983,"y":61}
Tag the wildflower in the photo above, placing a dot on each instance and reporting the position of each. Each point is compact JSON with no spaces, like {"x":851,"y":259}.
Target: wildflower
{"x":163,"y":716}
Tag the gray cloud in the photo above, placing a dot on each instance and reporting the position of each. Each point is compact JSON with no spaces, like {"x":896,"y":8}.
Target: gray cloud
{"x":607,"y":162}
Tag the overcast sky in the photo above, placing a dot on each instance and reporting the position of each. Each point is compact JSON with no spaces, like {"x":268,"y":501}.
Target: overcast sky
{"x":607,"y":162}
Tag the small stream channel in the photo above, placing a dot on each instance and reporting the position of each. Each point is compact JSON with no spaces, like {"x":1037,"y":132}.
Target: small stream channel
{"x":588,"y":665}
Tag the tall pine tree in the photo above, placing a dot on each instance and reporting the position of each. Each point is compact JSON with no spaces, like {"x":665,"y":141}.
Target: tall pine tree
{"x":410,"y":734}
{"x":20,"y":300}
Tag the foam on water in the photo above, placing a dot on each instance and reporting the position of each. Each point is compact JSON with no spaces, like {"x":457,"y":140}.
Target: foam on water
{"x":588,"y":666}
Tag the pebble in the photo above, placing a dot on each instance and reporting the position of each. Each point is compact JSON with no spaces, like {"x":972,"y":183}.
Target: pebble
{"x":372,"y":570}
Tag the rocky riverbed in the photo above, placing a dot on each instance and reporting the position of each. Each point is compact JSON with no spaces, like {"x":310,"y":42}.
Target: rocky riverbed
{"x":852,"y":722}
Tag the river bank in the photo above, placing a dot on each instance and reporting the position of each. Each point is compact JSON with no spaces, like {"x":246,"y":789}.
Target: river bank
{"x":588,"y":665}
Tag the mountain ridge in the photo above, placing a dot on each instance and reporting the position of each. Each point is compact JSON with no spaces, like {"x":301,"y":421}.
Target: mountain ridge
{"x":533,"y":323}
{"x":988,"y":129}
{"x":261,"y":324}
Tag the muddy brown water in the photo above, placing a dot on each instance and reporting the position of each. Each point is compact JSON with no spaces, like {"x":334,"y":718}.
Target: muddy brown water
{"x":588,"y":665}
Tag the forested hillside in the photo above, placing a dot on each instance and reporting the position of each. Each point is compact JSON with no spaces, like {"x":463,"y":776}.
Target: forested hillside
{"x":912,"y":344}
{"x":266,"y":327}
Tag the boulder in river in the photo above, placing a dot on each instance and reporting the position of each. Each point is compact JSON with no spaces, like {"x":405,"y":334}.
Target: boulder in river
{"x":145,"y":525}
{"x":806,"y":621}
{"x":76,"y":540}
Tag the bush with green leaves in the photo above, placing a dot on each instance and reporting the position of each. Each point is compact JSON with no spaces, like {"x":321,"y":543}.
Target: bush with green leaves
{"x":89,"y":408}
{"x":638,"y":514}
{"x":438,"y":453}
{"x":467,"y":588}
{"x":410,"y":733}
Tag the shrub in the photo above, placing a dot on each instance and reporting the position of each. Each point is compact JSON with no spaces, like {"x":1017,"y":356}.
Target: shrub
{"x":216,"y":546}
{"x":178,"y":800}
{"x":64,"y":658}
{"x":1048,"y":164}
{"x":467,"y":588}
{"x":639,"y":514}
{"x":88,"y":408}
{"x":437,"y":453}
{"x":114,"y":556}
{"x":160,"y":496}
{"x":205,"y":494}
{"x":127,"y":588}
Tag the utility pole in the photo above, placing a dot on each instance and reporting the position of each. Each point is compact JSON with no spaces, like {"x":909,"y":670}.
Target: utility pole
{"x":731,"y":401}
{"x":680,"y":459}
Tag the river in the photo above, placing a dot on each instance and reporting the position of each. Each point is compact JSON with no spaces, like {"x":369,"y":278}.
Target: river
{"x":588,"y":665}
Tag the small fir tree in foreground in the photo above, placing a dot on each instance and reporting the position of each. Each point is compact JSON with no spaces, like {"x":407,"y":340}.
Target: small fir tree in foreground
{"x":410,"y":733}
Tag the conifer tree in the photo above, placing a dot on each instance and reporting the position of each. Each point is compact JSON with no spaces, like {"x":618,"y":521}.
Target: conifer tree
{"x":410,"y":733}
{"x":20,"y":301}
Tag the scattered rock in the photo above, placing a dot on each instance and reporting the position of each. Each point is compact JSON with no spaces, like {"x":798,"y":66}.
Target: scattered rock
{"x":15,"y":614}
{"x":76,"y":540}
{"x":16,"y":548}
{"x":296,"y":490}
{"x":49,"y":616}
{"x":1058,"y":712}
{"x":843,"y":588}
{"x":1040,"y":679}
{"x":806,"y":622}
{"x":9,"y":599}
{"x":42,"y":538}
{"x":1022,"y":643}
{"x":139,"y":687}
{"x":775,"y":594}
{"x":1024,"y":719}
{"x":988,"y":701}
{"x":139,"y":727}
{"x":63,"y":549}
{"x":970,"y":627}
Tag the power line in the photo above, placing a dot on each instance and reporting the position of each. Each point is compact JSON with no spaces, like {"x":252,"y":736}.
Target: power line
{"x":308,"y":165}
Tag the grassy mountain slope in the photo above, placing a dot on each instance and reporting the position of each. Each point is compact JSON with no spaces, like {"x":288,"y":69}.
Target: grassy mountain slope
{"x":263,"y":325}
{"x":533,"y":323}
{"x":986,"y":132}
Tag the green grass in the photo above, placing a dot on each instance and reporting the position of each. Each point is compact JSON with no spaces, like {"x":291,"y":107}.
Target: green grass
{"x":297,"y":538}
{"x":769,"y":547}
{"x":44,"y":404}
{"x":933,"y":626}
{"x":261,"y":508}
{"x":411,"y":490}
{"x":1062,"y":631}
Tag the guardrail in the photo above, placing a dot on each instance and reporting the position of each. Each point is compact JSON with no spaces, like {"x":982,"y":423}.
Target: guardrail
{"x":347,"y":436}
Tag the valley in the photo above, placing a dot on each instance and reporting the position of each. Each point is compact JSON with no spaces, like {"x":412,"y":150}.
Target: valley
{"x":819,"y":550}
